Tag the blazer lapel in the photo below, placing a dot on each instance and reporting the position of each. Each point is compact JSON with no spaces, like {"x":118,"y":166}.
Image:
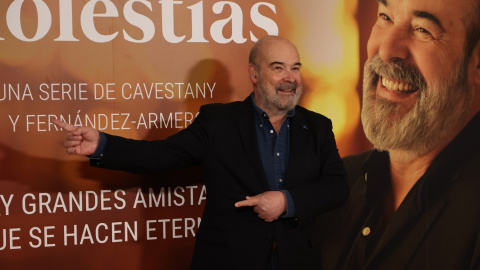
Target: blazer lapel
{"x":246,"y":125}
{"x":299,"y":134}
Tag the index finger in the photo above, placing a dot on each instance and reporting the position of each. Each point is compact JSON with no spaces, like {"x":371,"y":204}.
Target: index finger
{"x":250,"y":201}
{"x":63,"y":125}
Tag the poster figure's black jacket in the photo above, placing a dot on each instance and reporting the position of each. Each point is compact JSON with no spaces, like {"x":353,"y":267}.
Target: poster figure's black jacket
{"x":222,"y":140}
{"x":437,"y":226}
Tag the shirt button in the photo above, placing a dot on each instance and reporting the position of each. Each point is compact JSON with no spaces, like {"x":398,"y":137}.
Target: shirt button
{"x":366,"y":231}
{"x":261,"y":125}
{"x":278,"y":154}
{"x":280,"y":180}
{"x":271,"y":131}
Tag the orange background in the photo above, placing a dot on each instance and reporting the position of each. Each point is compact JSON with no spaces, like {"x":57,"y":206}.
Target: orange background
{"x":331,"y":36}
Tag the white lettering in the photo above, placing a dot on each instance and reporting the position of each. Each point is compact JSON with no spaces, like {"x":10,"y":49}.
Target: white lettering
{"x":96,"y":28}
{"x":168,"y":21}
{"x":41,"y":242}
{"x":197,"y":23}
{"x":139,"y":20}
{"x":88,"y":24}
{"x":6,"y":203}
{"x":14,"y":123}
{"x":9,"y":237}
{"x":263,"y":22}
{"x":14,"y":20}
{"x":101,"y":233}
{"x":236,"y":19}
{"x":66,"y":23}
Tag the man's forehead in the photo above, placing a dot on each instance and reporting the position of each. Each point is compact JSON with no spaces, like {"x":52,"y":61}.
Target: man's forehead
{"x":283,"y":60}
{"x":280,"y":53}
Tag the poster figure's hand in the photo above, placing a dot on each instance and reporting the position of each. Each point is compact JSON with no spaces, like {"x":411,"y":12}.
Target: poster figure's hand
{"x":268,"y":205}
{"x":80,"y":140}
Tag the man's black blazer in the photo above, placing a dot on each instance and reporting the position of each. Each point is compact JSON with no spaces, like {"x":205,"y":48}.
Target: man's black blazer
{"x":222,"y":140}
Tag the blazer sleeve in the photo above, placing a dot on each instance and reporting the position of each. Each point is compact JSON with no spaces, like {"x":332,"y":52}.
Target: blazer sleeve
{"x":475,"y":264}
{"x":330,"y":188}
{"x":180,"y":150}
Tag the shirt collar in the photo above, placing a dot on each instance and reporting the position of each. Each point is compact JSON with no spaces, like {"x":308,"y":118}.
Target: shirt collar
{"x":260,"y":114}
{"x":378,"y":178}
{"x":377,"y":175}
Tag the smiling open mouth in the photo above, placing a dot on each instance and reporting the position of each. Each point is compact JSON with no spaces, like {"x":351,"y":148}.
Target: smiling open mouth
{"x":287,"y":90}
{"x":398,"y":86}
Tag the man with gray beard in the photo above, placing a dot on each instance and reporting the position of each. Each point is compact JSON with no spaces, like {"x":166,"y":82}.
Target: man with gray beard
{"x":414,"y":199}
{"x":270,"y":167}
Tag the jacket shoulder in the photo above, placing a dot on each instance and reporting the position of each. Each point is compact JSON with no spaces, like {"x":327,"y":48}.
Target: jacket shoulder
{"x":311,"y":114}
{"x":354,"y":165}
{"x":311,"y":119}
{"x":220,"y":109}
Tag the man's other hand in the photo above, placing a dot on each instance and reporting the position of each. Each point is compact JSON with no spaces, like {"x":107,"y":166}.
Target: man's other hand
{"x":268,"y":205}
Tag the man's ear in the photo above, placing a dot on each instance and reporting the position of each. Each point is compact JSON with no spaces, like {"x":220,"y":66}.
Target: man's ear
{"x":252,"y":72}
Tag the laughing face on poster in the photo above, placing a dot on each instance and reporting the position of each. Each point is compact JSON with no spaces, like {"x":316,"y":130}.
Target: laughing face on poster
{"x":414,"y":198}
{"x":271,"y":167}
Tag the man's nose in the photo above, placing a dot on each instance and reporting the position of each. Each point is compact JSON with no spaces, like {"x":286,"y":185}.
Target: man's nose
{"x":394,"y":45}
{"x":290,"y":76}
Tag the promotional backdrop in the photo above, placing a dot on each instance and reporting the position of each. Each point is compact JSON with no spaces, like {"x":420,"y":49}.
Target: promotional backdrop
{"x":141,"y":69}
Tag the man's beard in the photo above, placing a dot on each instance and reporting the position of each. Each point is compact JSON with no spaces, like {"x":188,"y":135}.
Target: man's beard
{"x":434,"y":119}
{"x":282,"y":103}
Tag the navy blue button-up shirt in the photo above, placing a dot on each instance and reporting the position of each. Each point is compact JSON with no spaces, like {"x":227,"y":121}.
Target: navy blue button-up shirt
{"x":274,"y":152}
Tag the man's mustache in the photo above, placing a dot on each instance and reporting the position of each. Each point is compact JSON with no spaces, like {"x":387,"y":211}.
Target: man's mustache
{"x":398,"y":71}
{"x":285,"y":86}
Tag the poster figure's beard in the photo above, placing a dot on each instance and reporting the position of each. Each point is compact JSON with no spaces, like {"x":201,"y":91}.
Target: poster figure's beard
{"x":433,"y":119}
